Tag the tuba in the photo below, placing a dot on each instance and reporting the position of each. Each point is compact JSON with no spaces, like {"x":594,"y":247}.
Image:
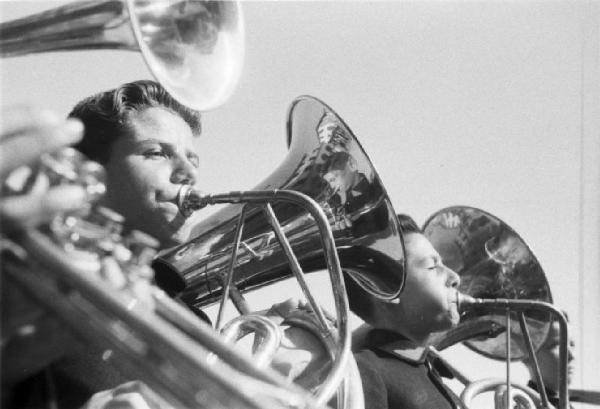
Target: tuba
{"x":194,"y":48}
{"x":504,"y":299}
{"x":324,"y":200}
{"x":59,"y":267}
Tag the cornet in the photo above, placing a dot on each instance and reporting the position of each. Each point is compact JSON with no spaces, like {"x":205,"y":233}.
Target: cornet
{"x":194,"y":48}
{"x":505,"y":299}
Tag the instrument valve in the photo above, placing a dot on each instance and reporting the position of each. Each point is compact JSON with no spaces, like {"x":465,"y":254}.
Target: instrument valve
{"x":143,"y":248}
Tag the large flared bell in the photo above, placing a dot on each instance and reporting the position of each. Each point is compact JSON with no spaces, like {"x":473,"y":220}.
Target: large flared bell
{"x":326,"y":162}
{"x":493,"y":262}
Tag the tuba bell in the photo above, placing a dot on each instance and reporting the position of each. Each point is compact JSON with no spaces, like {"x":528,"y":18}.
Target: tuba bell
{"x":504,"y":299}
{"x":326,"y":163}
{"x":324,"y":200}
{"x":194,"y":48}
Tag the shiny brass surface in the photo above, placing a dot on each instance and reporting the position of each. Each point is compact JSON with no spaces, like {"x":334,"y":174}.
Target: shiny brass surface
{"x":502,"y":287}
{"x":325,"y":199}
{"x":173,"y":365}
{"x":325,"y":162}
{"x":97,"y":285}
{"x":194,"y":48}
{"x":337,"y":339}
{"x":492,"y":261}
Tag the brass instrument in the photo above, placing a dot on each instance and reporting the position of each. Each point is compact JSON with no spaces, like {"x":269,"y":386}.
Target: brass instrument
{"x":155,"y":339}
{"x":326,"y":195}
{"x":502,"y":287}
{"x":194,"y":48}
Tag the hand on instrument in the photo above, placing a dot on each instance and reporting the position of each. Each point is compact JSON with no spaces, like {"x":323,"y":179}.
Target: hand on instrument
{"x":25,"y":134}
{"x":302,"y":357}
{"x":130,"y":395}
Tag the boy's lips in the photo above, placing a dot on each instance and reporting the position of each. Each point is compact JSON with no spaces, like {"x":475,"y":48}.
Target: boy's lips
{"x":453,"y":306}
{"x":169,"y":207}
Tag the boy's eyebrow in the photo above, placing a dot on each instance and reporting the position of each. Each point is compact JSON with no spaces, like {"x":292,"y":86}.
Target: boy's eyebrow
{"x":150,"y":140}
{"x":425,"y":259}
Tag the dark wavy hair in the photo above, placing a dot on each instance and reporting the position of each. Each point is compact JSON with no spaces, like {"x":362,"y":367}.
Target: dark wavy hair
{"x":408,"y":224}
{"x":105,"y":115}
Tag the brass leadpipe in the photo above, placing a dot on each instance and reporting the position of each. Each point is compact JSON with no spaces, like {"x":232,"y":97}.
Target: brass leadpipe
{"x":466,"y":302}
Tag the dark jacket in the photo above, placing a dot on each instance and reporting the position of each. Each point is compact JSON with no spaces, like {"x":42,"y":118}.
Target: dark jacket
{"x":553,"y":397}
{"x":398,"y":375}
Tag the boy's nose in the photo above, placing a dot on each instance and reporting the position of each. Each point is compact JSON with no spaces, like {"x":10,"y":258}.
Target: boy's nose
{"x":184,"y":173}
{"x":453,"y":279}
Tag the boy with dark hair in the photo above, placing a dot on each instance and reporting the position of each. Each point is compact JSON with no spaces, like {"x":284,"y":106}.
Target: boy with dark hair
{"x":145,"y":140}
{"x":393,"y":359}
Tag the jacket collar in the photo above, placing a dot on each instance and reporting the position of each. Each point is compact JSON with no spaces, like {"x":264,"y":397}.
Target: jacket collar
{"x":396,"y":345}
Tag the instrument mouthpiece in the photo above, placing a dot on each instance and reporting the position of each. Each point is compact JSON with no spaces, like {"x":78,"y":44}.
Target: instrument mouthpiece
{"x":464,"y":301}
{"x":189,"y":200}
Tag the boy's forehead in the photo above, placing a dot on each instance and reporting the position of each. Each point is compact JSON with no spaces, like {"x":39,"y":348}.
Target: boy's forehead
{"x":418,"y":247}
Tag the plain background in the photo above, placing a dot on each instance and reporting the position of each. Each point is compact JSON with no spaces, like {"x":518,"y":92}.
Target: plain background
{"x":489,"y":104}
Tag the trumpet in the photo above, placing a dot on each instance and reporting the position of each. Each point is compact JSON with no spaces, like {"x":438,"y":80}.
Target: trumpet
{"x":194,"y":48}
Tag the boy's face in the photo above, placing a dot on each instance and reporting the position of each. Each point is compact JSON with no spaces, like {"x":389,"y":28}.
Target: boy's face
{"x":429,"y":298}
{"x":548,"y":358}
{"x":145,"y":171}
{"x":341,"y":180}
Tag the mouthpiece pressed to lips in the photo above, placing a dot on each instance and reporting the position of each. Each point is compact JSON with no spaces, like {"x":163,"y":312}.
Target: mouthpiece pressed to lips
{"x":464,"y":301}
{"x":190,"y":200}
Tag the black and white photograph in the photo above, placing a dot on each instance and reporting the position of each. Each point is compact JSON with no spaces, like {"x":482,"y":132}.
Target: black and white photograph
{"x":300,"y":204}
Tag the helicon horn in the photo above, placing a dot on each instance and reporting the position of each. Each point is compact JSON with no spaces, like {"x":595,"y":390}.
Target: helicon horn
{"x":194,"y":48}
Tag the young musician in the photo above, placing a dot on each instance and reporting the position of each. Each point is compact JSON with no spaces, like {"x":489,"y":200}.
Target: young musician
{"x":548,"y":361}
{"x":393,"y":359}
{"x":145,"y":140}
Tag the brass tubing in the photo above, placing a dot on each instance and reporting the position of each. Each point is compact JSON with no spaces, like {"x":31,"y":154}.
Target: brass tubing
{"x":533,"y":357}
{"x":191,"y":200}
{"x":170,"y":365}
{"x":295,"y":267}
{"x":234,"y":252}
{"x":466,"y":301}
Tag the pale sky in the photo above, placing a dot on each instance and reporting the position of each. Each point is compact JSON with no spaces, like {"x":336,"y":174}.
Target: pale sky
{"x":485,"y":104}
